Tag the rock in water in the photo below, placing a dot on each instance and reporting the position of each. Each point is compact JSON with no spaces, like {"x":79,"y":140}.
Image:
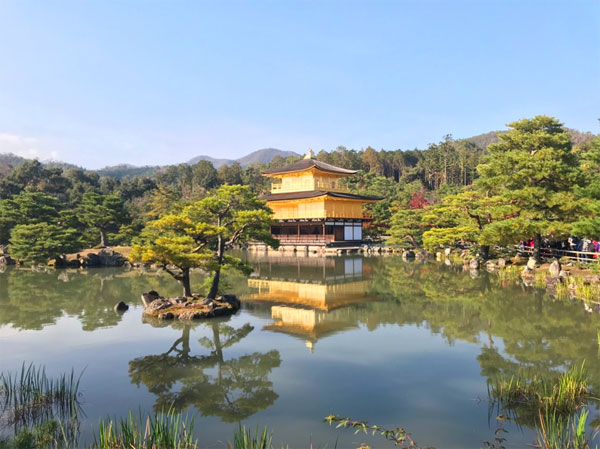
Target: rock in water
{"x":447,"y":251}
{"x":231,"y":300}
{"x":554,"y":268}
{"x":6,"y":260}
{"x":408,"y":255}
{"x":501,"y":263}
{"x":121,"y":307}
{"x":147,"y":298}
{"x":531,"y":263}
{"x":474,"y":264}
{"x":421,"y":256}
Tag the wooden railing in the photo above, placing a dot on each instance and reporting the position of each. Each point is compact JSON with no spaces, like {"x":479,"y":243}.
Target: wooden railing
{"x":549,"y":253}
{"x":303,"y":238}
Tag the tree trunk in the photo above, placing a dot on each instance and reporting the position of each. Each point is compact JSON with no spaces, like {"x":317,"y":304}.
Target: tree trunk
{"x":103,"y":239}
{"x":185,"y":282}
{"x":412,"y":240}
{"x":218,"y":352}
{"x":485,"y":252}
{"x":537,"y":248}
{"x":214,"y":289}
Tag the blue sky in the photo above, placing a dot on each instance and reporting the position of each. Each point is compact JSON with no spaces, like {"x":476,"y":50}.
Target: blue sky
{"x":154,"y":82}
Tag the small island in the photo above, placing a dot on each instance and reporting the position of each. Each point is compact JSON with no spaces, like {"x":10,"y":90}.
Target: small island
{"x":188,"y":308}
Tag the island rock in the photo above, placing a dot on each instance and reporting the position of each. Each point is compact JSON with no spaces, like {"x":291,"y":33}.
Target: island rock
{"x":190,"y":308}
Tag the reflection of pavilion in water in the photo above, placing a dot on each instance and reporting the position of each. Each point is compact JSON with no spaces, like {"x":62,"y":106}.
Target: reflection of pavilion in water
{"x":309,"y":296}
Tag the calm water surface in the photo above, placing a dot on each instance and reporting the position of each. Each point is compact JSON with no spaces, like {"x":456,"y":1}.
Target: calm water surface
{"x":375,"y":338}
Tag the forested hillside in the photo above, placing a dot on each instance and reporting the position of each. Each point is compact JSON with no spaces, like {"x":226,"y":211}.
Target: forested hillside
{"x":48,"y":209}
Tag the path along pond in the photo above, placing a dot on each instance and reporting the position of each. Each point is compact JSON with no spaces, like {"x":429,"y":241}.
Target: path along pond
{"x":395,"y":343}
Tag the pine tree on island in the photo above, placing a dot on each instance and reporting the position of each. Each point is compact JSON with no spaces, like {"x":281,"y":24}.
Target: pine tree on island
{"x":200,"y":235}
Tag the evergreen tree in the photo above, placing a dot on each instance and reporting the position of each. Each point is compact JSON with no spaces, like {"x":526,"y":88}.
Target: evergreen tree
{"x":205,"y":175}
{"x":102,"y":213}
{"x":26,"y":208}
{"x":42,"y":241}
{"x":588,"y":225}
{"x":202,"y":232}
{"x":533,"y":167}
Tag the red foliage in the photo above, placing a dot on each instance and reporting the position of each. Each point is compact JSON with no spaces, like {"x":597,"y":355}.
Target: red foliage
{"x":418,"y":200}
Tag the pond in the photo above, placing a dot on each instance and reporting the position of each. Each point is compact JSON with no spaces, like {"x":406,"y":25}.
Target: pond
{"x":395,"y":343}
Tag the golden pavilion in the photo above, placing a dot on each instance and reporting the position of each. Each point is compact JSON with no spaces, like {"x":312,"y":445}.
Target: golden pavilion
{"x":312,"y":207}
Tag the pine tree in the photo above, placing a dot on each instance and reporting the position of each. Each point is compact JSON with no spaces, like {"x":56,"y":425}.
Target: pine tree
{"x":202,"y":232}
{"x":533,"y":168}
{"x":102,"y":212}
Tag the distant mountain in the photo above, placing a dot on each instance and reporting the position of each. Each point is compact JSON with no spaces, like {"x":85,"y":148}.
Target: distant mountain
{"x":483,"y":140}
{"x":13,"y":160}
{"x":263,"y":156}
{"x":123,"y":171}
{"x":216,"y":162}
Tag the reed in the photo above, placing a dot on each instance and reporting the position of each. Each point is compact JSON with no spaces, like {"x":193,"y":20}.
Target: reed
{"x":557,"y":431}
{"x":244,"y":439}
{"x":540,"y":279}
{"x":166,"y":430}
{"x":581,"y":289}
{"x":47,"y":435}
{"x":564,"y":395}
{"x":509,"y":273}
{"x":29,"y":397}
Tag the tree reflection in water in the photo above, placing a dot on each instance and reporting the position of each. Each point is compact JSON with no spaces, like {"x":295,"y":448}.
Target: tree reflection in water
{"x":230,"y":388}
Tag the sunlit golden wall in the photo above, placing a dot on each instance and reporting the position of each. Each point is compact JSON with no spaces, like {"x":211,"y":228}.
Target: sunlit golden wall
{"x":316,"y":208}
{"x":306,"y":181}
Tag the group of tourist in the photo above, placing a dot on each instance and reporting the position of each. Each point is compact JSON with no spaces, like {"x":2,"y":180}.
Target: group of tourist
{"x":581,"y":248}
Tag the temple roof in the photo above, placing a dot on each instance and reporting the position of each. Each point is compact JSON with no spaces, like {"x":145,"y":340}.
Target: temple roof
{"x":308,"y":163}
{"x":315,"y":194}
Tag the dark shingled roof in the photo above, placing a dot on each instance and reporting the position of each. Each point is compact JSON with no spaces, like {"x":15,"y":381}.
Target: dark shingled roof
{"x":305,"y":164}
{"x":315,"y":194}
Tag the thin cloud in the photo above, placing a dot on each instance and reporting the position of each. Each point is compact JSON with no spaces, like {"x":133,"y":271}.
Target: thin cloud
{"x":24,"y":146}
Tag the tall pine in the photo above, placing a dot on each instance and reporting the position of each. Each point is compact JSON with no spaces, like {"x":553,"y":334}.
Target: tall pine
{"x":533,"y":167}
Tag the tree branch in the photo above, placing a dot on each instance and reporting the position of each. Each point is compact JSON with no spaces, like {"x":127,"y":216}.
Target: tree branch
{"x":474,"y":217}
{"x":198,"y":248}
{"x":236,"y":235}
{"x":177,"y":277}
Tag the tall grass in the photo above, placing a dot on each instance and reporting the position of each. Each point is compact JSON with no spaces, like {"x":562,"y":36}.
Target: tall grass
{"x":30,"y":396}
{"x":47,"y":435}
{"x":540,"y":279}
{"x":579,"y":288}
{"x":244,"y":439}
{"x":509,"y":273}
{"x":556,"y":431}
{"x":167,"y":430}
{"x":564,"y":395}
